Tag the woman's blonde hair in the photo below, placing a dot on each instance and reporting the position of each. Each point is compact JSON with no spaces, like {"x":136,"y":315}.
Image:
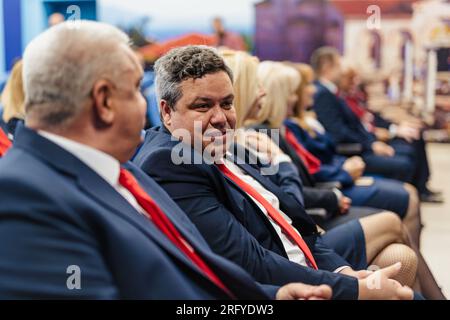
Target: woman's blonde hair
{"x":13,"y":96}
{"x":279,"y":82}
{"x":306,"y":72}
{"x":245,"y":82}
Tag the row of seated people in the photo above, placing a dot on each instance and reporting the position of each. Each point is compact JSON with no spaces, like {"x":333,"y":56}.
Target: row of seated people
{"x":204,"y":210}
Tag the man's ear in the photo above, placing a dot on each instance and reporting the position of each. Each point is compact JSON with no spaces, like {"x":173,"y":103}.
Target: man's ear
{"x":101,"y":95}
{"x":166,"y":112}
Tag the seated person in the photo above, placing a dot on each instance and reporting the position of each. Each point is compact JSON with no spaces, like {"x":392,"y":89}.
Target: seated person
{"x":277,"y":103}
{"x":274,"y":239}
{"x":402,"y":134}
{"x":378,"y":192}
{"x":71,"y":201}
{"x":328,"y":203}
{"x":249,"y":96}
{"x":344,"y":127}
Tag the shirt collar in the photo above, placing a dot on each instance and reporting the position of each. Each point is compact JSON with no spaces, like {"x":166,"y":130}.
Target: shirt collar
{"x":103,"y":164}
{"x":329,"y":85}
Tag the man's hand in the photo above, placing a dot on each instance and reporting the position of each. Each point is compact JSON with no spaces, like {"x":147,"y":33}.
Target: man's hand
{"x":344,"y":205}
{"x":379,"y":286}
{"x":382,"y":149}
{"x":413,"y":123}
{"x":261,"y":143}
{"x":407,"y":132}
{"x":300,"y":291}
{"x":355,"y":167}
{"x":382,"y":134}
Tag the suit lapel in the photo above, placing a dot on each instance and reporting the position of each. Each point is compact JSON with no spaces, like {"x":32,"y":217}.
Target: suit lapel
{"x":93,"y":185}
{"x":265,"y":182}
{"x":179,"y":219}
{"x":100,"y":190}
{"x":238,"y":280}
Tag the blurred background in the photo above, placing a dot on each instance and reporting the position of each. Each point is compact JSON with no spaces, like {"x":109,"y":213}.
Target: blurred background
{"x":403,"y":45}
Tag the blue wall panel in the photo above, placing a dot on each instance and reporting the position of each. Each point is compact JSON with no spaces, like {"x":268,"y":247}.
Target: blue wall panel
{"x":2,"y":43}
{"x":12,"y":27}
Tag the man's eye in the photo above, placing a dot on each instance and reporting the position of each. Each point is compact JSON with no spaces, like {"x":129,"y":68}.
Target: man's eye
{"x":201,"y":106}
{"x":227,"y":105}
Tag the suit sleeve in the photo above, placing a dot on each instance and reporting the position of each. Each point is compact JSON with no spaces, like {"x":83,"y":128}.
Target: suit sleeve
{"x":330,"y":115}
{"x":331,"y":172}
{"x":381,"y":122}
{"x":320,"y":198}
{"x":48,"y":249}
{"x":190,"y":187}
{"x":288,"y":179}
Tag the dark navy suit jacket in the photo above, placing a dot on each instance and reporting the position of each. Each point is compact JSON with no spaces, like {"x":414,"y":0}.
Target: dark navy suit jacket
{"x":339,"y":120}
{"x":331,"y":168}
{"x":231,"y":222}
{"x":56,"y":212}
{"x":314,"y":197}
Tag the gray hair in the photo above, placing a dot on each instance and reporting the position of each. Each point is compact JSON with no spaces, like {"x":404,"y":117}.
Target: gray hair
{"x":61,"y":65}
{"x":179,"y":64}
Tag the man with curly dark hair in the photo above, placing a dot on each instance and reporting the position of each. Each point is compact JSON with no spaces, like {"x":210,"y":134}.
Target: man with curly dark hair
{"x":243,"y":216}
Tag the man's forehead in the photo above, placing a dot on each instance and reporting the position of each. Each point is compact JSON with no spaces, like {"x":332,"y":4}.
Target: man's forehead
{"x":216,"y":84}
{"x":132,"y":63}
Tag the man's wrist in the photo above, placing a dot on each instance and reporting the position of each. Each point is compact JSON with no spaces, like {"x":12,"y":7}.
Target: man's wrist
{"x":343,"y":270}
{"x":338,"y":194}
{"x":393,"y":130}
{"x":280,"y":158}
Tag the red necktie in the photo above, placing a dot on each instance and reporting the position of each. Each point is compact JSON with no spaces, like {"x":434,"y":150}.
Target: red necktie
{"x":127,"y":180}
{"x":5,"y":144}
{"x":273,"y":213}
{"x":311,"y":162}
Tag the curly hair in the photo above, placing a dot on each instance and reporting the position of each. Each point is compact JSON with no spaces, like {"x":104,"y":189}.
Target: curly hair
{"x":179,"y":64}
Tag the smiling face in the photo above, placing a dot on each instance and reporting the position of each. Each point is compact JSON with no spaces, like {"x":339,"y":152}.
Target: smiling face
{"x":205,"y":111}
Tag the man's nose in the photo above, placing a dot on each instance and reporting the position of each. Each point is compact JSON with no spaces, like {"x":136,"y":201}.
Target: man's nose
{"x":218,"y":117}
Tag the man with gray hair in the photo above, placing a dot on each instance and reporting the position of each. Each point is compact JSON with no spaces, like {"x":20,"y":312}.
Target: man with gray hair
{"x":76,"y":219}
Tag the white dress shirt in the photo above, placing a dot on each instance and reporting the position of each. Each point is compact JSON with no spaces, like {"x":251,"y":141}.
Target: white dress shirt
{"x":329,"y":85}
{"x":315,"y":125}
{"x":103,"y":164}
{"x":295,"y":254}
